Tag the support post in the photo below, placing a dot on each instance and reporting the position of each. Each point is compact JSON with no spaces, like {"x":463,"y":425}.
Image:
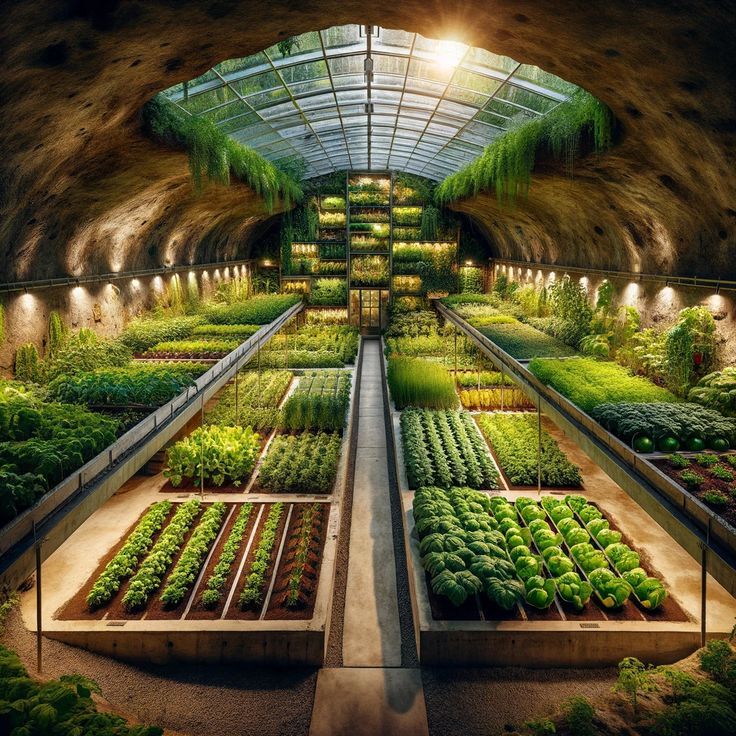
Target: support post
{"x":39,"y":604}
{"x":503,"y":380}
{"x":455,"y":335}
{"x":539,"y":445}
{"x":237,"y":415}
{"x":258,"y":353}
{"x":201,"y":450}
{"x":703,"y":590}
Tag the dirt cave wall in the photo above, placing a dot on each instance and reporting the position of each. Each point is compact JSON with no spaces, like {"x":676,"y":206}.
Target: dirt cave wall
{"x":84,"y":190}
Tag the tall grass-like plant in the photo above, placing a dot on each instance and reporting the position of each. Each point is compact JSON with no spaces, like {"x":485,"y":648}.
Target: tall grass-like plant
{"x":416,"y":382}
{"x":214,"y":156}
{"x":505,"y":166}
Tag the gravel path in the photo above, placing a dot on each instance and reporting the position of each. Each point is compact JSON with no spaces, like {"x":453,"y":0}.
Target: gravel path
{"x":214,"y":700}
{"x":470,"y":702}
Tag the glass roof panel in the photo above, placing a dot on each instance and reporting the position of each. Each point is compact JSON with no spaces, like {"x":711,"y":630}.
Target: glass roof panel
{"x":393,"y":98}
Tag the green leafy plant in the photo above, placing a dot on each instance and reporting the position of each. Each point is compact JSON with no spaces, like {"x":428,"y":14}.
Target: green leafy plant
{"x":588,"y":382}
{"x":187,"y":568}
{"x":443,"y":449}
{"x":305,"y":463}
{"x":690,"y":348}
{"x":320,"y":402}
{"x":634,"y":678}
{"x":252,"y":594}
{"x":125,"y":561}
{"x":258,"y":310}
{"x":717,"y":391}
{"x":212,"y":593}
{"x":514,"y":439}
{"x":304,"y":546}
{"x":218,"y":454}
{"x":152,"y":570}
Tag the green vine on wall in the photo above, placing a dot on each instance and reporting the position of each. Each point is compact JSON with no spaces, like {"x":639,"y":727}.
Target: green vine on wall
{"x":214,"y":156}
{"x":506,"y":165}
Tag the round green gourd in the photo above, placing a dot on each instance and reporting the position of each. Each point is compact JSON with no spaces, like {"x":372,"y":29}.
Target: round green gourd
{"x":669,"y":444}
{"x":720,"y":444}
{"x":696,"y":444}
{"x":643,"y":444}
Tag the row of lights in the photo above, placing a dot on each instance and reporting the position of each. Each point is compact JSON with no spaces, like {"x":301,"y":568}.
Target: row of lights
{"x":551,"y":276}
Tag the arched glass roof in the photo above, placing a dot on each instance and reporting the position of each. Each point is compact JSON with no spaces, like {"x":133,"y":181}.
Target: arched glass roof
{"x":370,"y":98}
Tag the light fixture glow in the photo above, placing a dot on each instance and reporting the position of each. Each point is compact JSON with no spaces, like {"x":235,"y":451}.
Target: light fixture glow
{"x":449,"y":54}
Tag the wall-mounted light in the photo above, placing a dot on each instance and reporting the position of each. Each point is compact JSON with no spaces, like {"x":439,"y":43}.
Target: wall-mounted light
{"x":468,"y":263}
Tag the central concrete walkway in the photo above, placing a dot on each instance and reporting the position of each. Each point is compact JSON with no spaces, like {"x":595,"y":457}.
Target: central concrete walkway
{"x":371,"y":693}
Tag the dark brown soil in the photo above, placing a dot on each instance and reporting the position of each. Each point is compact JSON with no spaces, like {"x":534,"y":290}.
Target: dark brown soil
{"x":156,"y":610}
{"x":198,"y":611}
{"x":277,"y":608}
{"x":235,"y":611}
{"x":727,"y":488}
{"x":76,"y":608}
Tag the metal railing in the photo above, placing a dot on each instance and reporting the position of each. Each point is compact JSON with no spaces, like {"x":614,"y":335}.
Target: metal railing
{"x":135,"y":439}
{"x":712,"y":531}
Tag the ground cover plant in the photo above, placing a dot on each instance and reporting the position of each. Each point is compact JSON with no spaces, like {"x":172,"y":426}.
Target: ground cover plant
{"x":235,"y":332}
{"x":514,"y":439}
{"x":522,"y":341}
{"x":319,"y":403}
{"x":417,"y":382}
{"x":216,"y":454}
{"x":304,"y":463}
{"x":667,"y":426}
{"x":710,"y":477}
{"x":588,"y":382}
{"x":258,"y":399}
{"x":258,"y":310}
{"x":444,"y":449}
{"x":138,"y":383}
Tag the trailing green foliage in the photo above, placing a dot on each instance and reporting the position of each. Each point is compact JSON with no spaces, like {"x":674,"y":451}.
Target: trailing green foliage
{"x":506,"y":164}
{"x":514,"y":439}
{"x":213,"y":155}
{"x":28,"y":364}
{"x":444,"y":449}
{"x":60,"y":707}
{"x":125,"y":561}
{"x":57,"y":334}
{"x":305,"y":463}
{"x":416,"y":382}
{"x":218,"y":454}
{"x":588,"y":382}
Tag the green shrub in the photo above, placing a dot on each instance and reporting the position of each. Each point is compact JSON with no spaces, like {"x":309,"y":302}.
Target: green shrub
{"x":416,"y":382}
{"x":717,"y":391}
{"x":144,"y":333}
{"x":329,"y":292}
{"x":63,"y":706}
